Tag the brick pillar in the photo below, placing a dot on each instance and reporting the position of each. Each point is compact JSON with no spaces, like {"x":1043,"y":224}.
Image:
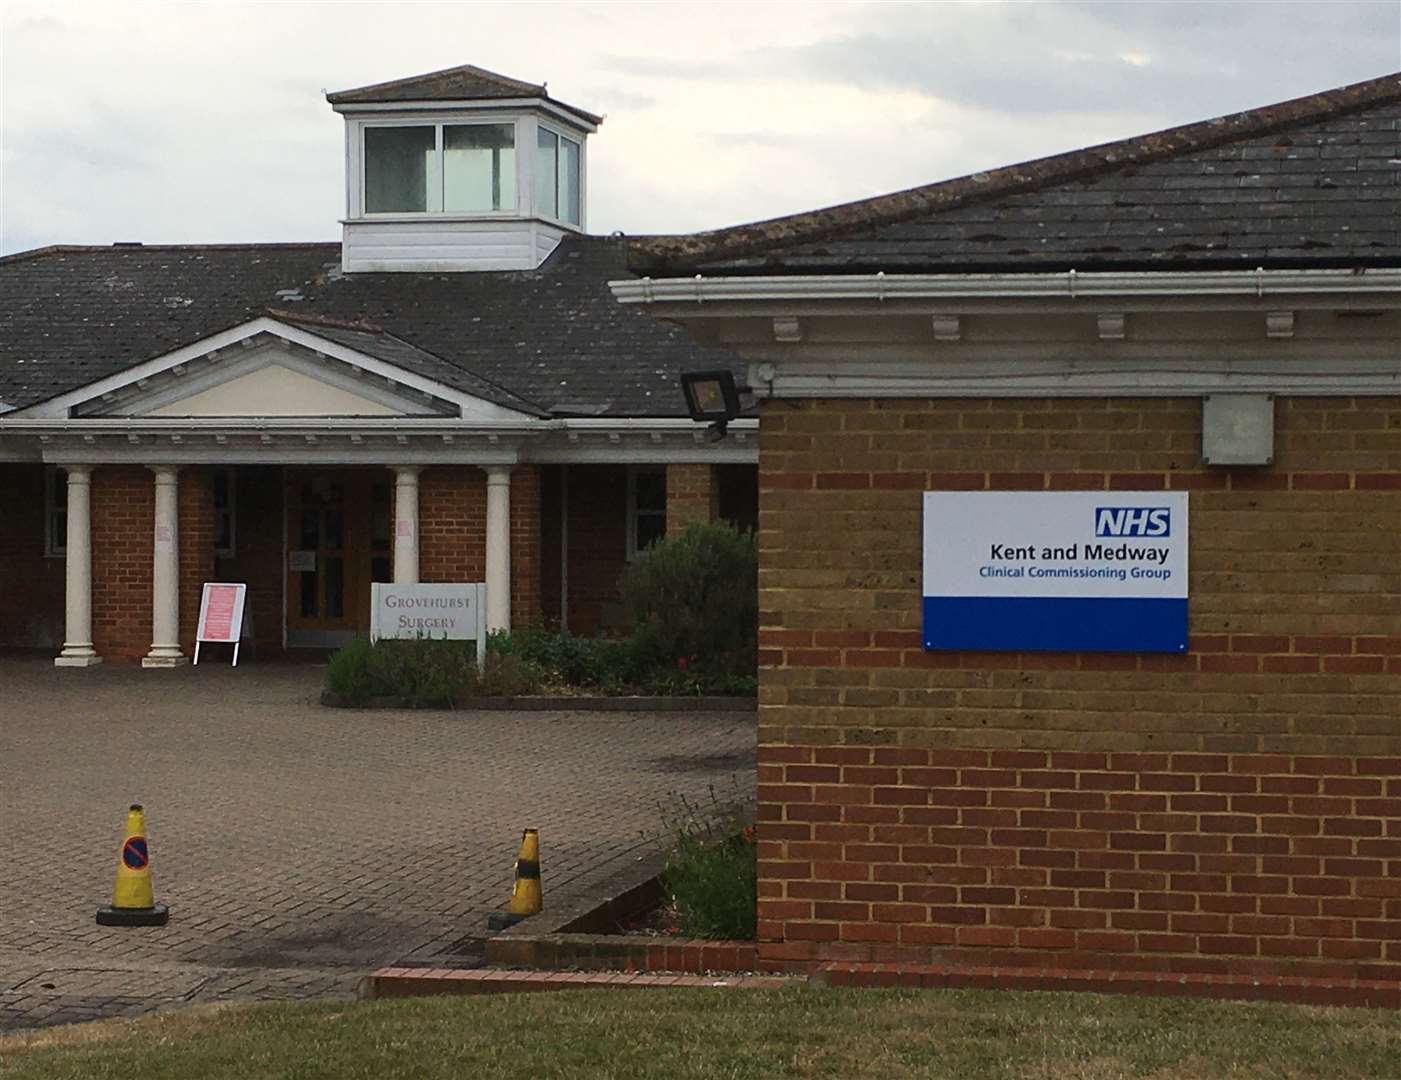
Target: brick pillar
{"x":692,"y":494}
{"x":123,"y":508}
{"x":525,"y":545}
{"x":452,"y":523}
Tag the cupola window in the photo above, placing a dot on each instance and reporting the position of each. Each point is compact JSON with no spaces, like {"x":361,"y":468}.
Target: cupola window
{"x":557,"y":177}
{"x":437,"y":168}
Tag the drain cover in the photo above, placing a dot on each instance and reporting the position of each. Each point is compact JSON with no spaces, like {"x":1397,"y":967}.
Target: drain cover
{"x":107,"y":983}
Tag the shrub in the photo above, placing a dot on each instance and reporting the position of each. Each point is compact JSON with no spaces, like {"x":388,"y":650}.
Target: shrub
{"x":711,"y":875}
{"x":505,"y":675}
{"x":636,"y":663}
{"x":697,"y":595}
{"x":714,"y":887}
{"x":349,"y":672}
{"x":421,"y":671}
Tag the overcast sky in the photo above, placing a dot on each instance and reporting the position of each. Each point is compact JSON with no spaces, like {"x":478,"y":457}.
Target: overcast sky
{"x":205,"y":122}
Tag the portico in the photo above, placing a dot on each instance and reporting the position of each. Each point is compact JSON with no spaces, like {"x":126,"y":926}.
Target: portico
{"x":318,"y":510}
{"x":449,"y":394}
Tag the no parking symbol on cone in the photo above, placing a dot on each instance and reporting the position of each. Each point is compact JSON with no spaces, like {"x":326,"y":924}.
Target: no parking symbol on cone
{"x":133,"y":899}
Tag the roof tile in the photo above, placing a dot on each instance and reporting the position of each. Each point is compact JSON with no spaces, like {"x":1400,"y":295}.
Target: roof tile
{"x":1315,"y":181}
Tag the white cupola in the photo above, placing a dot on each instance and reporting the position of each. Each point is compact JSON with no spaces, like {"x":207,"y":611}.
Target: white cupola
{"x":460,"y":170}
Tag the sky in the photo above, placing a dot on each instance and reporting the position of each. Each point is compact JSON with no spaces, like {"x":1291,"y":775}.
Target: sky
{"x":207,"y":122}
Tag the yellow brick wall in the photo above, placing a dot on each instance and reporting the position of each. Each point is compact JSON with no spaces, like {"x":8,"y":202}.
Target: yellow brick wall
{"x":1295,"y":570}
{"x":692,"y":494}
{"x":1236,"y":809}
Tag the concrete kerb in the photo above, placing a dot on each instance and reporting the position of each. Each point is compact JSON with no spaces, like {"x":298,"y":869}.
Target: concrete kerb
{"x":540,"y":703}
{"x":565,"y":947}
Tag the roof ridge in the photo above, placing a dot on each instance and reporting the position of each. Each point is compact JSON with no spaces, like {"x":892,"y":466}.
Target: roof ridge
{"x":460,"y":69}
{"x":47,"y":249}
{"x":665,"y":254}
{"x":362,"y":325}
{"x":53,"y":249}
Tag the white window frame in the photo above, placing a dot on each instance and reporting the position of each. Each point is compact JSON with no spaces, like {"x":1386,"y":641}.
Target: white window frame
{"x":632,"y":511}
{"x":438,"y":123}
{"x":55,"y":547}
{"x":231,"y":485}
{"x":559,"y":133}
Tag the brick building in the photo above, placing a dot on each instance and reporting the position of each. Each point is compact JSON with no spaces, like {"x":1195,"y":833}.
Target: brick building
{"x":1214,"y":309}
{"x":449,"y":394}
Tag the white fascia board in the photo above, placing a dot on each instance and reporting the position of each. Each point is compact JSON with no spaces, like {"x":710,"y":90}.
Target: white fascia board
{"x":1145,"y":383}
{"x":1071,"y":285}
{"x":456,"y":109}
{"x":661,"y":424}
{"x":375,"y":440}
{"x":392,"y":424}
{"x":59,"y":406}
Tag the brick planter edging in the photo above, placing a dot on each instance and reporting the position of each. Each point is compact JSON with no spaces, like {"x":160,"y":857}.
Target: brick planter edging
{"x":1307,"y":991}
{"x":424,"y":982}
{"x":562,"y":703}
{"x":621,"y":952}
{"x":427,"y":982}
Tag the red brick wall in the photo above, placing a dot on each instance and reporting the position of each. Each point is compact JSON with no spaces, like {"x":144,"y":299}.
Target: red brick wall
{"x":123,"y":520}
{"x":1235,"y":809}
{"x":452,"y":531}
{"x":31,"y":586}
{"x":452,"y":523}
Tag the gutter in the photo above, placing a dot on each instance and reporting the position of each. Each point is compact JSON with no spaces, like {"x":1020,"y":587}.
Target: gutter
{"x":384,"y":425}
{"x":1071,"y":285}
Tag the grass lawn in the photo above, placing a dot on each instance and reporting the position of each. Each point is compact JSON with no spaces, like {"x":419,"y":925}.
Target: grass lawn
{"x":714,"y":1034}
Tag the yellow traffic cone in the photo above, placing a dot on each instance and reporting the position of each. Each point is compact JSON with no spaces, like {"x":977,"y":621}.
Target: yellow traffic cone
{"x":525,"y":894}
{"x":133,"y":901}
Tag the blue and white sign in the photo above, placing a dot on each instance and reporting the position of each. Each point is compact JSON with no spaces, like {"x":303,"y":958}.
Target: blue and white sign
{"x":1033,"y":571}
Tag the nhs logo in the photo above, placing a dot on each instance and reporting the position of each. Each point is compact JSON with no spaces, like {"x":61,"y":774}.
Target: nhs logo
{"x":1133,"y":521}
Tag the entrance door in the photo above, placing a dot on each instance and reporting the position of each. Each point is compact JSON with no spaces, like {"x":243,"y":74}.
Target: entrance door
{"x":337,"y":543}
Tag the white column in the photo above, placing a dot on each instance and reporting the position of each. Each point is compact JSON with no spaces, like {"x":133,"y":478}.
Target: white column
{"x":77,"y":625}
{"x":165,"y":573}
{"x":406,"y":524}
{"x":498,"y":547}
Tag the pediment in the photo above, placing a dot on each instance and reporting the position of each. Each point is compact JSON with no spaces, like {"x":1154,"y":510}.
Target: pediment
{"x":267,"y":368}
{"x":271,"y":381}
{"x":274,"y":390}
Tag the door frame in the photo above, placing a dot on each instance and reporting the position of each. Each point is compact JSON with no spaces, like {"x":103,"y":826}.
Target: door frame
{"x":357,"y":554}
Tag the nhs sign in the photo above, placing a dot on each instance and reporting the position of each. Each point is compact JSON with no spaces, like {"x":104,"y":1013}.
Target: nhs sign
{"x":1133,"y":521}
{"x":1053,"y":571}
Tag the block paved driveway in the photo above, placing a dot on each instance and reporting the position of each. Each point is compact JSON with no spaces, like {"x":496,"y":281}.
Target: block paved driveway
{"x":297,"y":846}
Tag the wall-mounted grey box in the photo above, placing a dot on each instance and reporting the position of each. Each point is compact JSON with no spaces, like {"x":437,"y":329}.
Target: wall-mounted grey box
{"x":1238,"y":429}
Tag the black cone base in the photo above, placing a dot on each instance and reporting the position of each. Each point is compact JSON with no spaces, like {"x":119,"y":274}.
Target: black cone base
{"x":500,"y":920}
{"x":133,"y":916}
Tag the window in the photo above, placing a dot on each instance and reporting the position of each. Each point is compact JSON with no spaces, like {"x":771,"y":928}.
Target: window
{"x":55,"y":511}
{"x":434,"y":168}
{"x":646,"y":508}
{"x":479,"y":167}
{"x":224,"y":523}
{"x":557,"y":177}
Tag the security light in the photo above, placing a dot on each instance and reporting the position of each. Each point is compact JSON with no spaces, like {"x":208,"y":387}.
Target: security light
{"x":711,"y":395}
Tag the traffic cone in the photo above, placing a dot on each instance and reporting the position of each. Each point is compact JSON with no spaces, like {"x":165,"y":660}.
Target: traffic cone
{"x":525,"y":894}
{"x":133,"y":902}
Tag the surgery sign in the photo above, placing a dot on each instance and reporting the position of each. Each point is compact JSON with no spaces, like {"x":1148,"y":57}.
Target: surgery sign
{"x":1033,"y":571}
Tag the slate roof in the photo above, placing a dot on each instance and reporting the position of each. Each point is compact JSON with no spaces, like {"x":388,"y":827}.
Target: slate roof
{"x":1313,"y":182}
{"x":548,"y":341}
{"x":464,"y":83}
